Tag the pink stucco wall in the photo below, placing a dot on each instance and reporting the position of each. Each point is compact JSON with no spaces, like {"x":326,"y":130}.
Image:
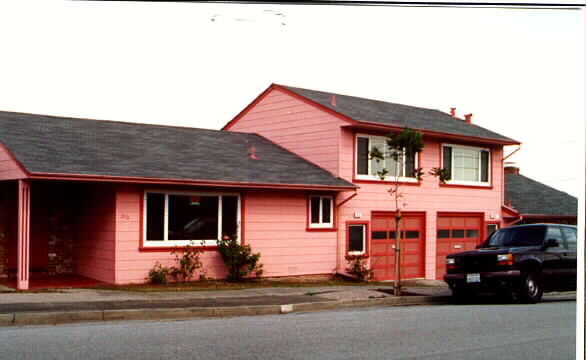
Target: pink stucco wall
{"x":9,"y":169}
{"x":297,"y":126}
{"x":96,"y":233}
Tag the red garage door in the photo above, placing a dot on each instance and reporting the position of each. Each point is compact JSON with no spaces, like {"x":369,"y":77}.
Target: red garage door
{"x":456,"y":233}
{"x":383,"y":246}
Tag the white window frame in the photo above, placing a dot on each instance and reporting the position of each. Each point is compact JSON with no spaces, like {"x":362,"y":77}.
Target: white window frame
{"x":463,"y":182}
{"x":363,"y":240}
{"x":321,"y":224}
{"x":206,"y":242}
{"x":375,"y":177}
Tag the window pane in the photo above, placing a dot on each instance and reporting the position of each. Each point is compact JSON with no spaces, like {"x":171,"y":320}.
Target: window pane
{"x":230,"y":216}
{"x":466,"y":164}
{"x":356,"y":237}
{"x":193,"y":217}
{"x":410,"y":165}
{"x":377,"y":165}
{"x":315,"y":210}
{"x":571,"y":238}
{"x":326,"y":205}
{"x":443,"y":234}
{"x":379,"y":235}
{"x":447,"y":157}
{"x":554,"y":233}
{"x":155,"y":217}
{"x":484,"y":166}
{"x":458,"y":234}
{"x":528,"y":236}
{"x":362,"y":156}
{"x":471,"y":233}
{"x":412,"y":234}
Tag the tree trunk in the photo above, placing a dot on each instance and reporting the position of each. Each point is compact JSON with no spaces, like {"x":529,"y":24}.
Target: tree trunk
{"x":398,"y":254}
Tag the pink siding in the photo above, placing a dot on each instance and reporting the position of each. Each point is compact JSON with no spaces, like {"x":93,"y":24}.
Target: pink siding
{"x":297,"y":126}
{"x":96,"y":236}
{"x":9,"y":169}
{"x":428,"y":197}
{"x":133,"y":265}
{"x":276,"y":227}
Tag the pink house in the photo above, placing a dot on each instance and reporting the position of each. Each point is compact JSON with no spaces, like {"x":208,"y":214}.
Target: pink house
{"x":336,"y":132}
{"x":290,"y":175}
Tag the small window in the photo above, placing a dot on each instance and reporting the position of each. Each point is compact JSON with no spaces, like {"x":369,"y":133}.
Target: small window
{"x":379,"y":235}
{"x":412,"y":234}
{"x":443,"y":234}
{"x":458,"y":234}
{"x":356,"y":239}
{"x":321,"y":212}
{"x":554,"y":232}
{"x":571,"y":238}
{"x":471,"y":233}
{"x":490,"y":228}
{"x":466,"y":165}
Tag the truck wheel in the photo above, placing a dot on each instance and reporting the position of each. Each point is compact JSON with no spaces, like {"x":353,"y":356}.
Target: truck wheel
{"x":530,"y":290}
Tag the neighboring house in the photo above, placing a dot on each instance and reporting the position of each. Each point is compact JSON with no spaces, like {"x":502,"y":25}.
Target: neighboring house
{"x":535,"y":202}
{"x":106,"y":200}
{"x":337,"y":132}
{"x":290,"y":175}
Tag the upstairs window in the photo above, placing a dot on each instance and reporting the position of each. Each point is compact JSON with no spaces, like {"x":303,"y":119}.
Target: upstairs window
{"x":321,"y":212}
{"x":466,"y":165}
{"x":367,"y":169}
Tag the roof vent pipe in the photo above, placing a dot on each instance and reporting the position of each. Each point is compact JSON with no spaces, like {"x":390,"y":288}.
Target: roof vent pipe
{"x":468,"y":118}
{"x":333,"y":100}
{"x":453,"y":112}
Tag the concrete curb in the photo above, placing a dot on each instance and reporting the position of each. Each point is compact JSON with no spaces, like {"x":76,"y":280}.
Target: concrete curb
{"x":69,"y":317}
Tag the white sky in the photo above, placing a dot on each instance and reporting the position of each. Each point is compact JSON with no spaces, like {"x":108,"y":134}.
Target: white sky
{"x":520,"y":71}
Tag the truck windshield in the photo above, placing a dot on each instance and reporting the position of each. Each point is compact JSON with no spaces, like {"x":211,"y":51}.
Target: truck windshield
{"x":521,"y":236}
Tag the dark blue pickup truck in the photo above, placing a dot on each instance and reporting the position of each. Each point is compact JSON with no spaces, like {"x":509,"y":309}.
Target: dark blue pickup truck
{"x":524,"y":261}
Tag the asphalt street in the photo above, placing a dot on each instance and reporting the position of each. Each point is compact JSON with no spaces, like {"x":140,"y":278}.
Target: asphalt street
{"x":474,"y":331}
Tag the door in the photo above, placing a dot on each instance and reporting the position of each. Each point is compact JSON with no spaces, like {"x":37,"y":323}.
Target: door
{"x":456,"y":233}
{"x":383,"y":246}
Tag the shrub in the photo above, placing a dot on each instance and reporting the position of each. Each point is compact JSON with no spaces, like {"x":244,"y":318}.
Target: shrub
{"x":187,"y":263}
{"x":158,"y":274}
{"x":357,"y":267}
{"x":239,"y":259}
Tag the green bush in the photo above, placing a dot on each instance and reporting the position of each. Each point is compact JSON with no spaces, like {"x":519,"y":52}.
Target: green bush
{"x":187,"y":263}
{"x":358,"y":268}
{"x":158,"y":274}
{"x":239,"y":259}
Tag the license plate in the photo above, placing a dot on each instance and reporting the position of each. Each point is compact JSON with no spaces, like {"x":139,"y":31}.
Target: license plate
{"x":472,"y":278}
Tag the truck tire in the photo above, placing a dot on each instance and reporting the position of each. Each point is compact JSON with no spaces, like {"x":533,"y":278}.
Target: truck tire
{"x":531,"y":289}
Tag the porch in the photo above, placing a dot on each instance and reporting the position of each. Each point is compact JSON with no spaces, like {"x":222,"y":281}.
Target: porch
{"x":56,"y":234}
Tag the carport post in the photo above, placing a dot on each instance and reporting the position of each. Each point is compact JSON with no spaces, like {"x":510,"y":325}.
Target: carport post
{"x":22,"y":272}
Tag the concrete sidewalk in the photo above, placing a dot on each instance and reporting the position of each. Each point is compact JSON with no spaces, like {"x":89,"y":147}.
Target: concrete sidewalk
{"x":81,"y":305}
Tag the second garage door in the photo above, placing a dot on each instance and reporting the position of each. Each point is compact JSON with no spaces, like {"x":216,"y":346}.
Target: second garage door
{"x":456,"y":233}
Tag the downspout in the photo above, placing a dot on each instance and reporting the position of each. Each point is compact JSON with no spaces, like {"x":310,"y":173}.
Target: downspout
{"x":339,"y":232}
{"x":503,"y":181}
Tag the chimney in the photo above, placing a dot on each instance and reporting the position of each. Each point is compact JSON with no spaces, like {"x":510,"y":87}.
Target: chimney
{"x":511,"y":169}
{"x":333,"y":100}
{"x":453,"y":112}
{"x":252,"y":152}
{"x":468,"y":118}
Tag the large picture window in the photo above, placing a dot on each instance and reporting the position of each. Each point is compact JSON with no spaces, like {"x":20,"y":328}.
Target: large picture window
{"x":367,"y":169}
{"x":174,"y":218}
{"x":466,"y":165}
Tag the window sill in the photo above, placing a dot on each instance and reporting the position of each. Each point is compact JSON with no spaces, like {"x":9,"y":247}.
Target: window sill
{"x":467,"y":186}
{"x":317,"y":229}
{"x":171,"y":248}
{"x":363,"y":255}
{"x":386,"y":182}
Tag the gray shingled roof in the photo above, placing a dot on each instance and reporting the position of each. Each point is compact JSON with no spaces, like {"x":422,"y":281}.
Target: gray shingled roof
{"x":48,"y":144}
{"x":531,"y":197}
{"x":380,"y":112}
